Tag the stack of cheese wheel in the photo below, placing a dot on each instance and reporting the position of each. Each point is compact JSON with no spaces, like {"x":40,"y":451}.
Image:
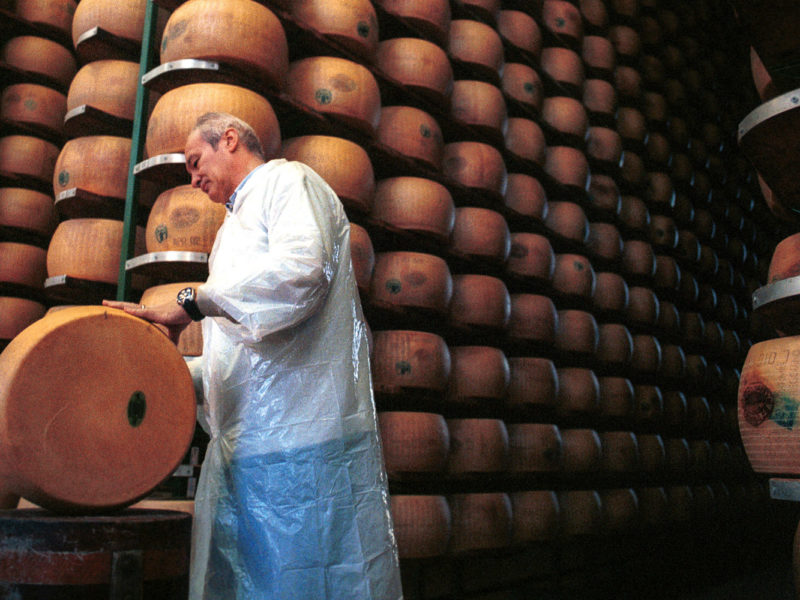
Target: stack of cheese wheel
{"x":92,"y":443}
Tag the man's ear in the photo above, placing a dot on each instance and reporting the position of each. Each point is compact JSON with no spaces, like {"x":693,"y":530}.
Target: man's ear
{"x":231,"y":139}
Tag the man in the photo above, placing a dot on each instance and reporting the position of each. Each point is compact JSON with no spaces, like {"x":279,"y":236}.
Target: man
{"x":292,"y":501}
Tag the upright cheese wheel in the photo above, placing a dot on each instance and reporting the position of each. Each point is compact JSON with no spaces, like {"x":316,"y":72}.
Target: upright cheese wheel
{"x":413,"y":133}
{"x":477,"y":446}
{"x":480,"y":234}
{"x":535,"y":516}
{"x":479,"y":304}
{"x":480,"y":521}
{"x":422,"y":525}
{"x":520,"y":30}
{"x":41,"y":56}
{"x":28,"y":156}
{"x":95,"y":163}
{"x":409,"y":361}
{"x":411,"y":281}
{"x":767,"y":406}
{"x":525,"y":196}
{"x":190,"y":341}
{"x":337,"y":87}
{"x":414,"y":442}
{"x":479,"y":374}
{"x":16,"y":314}
{"x":107,"y":85}
{"x":414,"y":204}
{"x":352,"y":24}
{"x":534,"y":448}
{"x":419,"y":65}
{"x":185,"y":219}
{"x":531,"y":258}
{"x":92,"y":442}
{"x":26,"y":209}
{"x":477,"y":45}
{"x":87,"y":249}
{"x":480,"y":105}
{"x":242,"y":33}
{"x":533,"y":383}
{"x":476,"y":165}
{"x":522,"y":83}
{"x":526,"y":140}
{"x":33,"y":105}
{"x":582,"y":451}
{"x":343,"y":164}
{"x":176,"y":112}
{"x":22,"y":264}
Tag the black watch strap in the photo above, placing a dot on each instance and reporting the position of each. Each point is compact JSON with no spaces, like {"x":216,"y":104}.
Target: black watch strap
{"x":187,"y":298}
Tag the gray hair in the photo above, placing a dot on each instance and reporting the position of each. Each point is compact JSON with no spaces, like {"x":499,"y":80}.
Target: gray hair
{"x":213,"y":124}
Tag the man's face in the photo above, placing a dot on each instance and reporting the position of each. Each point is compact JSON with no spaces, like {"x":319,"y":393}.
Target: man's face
{"x":208,"y":167}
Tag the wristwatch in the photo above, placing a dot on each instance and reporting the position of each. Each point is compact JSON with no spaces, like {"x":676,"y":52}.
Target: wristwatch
{"x":187,"y":298}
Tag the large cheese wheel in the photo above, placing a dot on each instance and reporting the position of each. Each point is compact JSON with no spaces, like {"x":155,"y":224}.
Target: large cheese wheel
{"x":477,"y":45}
{"x":413,"y":442}
{"x":533,"y":319}
{"x":522,"y":83}
{"x":534,"y":448}
{"x":343,"y":164}
{"x":582,"y":451}
{"x":416,"y":205}
{"x":176,"y":112}
{"x":411,"y":282}
{"x":412,"y":133}
{"x":190,"y":341}
{"x":535,"y":516}
{"x":41,"y":56}
{"x":768,"y":406}
{"x":480,"y":521}
{"x":337,"y":87}
{"x":113,"y":417}
{"x":477,"y":446}
{"x":479,"y":374}
{"x":27,"y":156}
{"x":421,"y":525}
{"x":480,"y":304}
{"x":242,"y":33}
{"x":22,"y":264}
{"x":33,"y":105}
{"x":534,"y":382}
{"x":409,"y":361}
{"x":419,"y":65}
{"x":480,"y":234}
{"x":476,"y":165}
{"x":95,"y":163}
{"x":525,"y":196}
{"x":27,"y":209}
{"x":16,"y":314}
{"x":480,"y":105}
{"x":88,"y":249}
{"x":531,"y":258}
{"x":185,"y":219}
{"x":107,"y":85}
{"x":520,"y":30}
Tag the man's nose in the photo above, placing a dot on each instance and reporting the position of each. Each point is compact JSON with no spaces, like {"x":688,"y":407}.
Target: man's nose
{"x":195,"y":180}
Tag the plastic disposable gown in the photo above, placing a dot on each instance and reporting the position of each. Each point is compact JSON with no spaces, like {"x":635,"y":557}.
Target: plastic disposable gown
{"x":292,"y":501}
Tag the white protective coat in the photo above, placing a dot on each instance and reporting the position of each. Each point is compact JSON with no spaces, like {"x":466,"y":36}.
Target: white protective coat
{"x":292,"y":501}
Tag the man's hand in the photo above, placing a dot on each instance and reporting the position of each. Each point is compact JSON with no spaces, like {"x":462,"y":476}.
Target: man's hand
{"x":169,"y":314}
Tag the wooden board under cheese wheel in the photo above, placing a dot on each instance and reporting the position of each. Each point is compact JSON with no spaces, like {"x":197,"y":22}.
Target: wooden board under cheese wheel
{"x":769,"y":398}
{"x":97,"y":408}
